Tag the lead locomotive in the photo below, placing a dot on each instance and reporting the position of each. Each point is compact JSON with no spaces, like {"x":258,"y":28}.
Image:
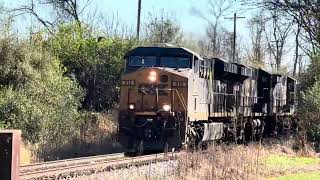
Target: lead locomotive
{"x":172,"y":96}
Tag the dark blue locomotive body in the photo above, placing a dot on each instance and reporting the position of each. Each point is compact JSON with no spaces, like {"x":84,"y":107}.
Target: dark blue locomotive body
{"x":172,"y":96}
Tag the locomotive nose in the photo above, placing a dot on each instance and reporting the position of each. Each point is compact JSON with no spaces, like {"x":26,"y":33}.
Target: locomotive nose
{"x":152,"y":90}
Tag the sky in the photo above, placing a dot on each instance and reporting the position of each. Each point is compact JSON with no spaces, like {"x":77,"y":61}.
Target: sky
{"x":126,"y":11}
{"x":181,"y":9}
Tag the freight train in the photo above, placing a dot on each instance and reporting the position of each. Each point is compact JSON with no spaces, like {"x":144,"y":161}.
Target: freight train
{"x":171,"y":97}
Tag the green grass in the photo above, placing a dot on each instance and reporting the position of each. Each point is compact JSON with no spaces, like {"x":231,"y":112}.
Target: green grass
{"x":283,"y":161}
{"x":299,"y":176}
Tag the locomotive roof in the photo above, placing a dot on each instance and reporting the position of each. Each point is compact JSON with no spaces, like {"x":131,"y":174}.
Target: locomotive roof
{"x":171,"y":50}
{"x":292,"y":78}
{"x":161,"y":50}
{"x":220,"y":59}
{"x":240,"y":64}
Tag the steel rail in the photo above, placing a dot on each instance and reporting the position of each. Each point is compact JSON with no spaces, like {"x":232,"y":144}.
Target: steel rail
{"x":67,"y":162}
{"x":98,"y":166}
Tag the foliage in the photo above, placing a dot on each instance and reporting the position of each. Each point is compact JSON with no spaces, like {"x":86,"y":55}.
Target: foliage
{"x":98,"y":136}
{"x":309,"y":100}
{"x":309,"y":112}
{"x":257,"y":53}
{"x":162,"y":29}
{"x":312,"y":74}
{"x":95,"y":62}
{"x":50,"y":83}
{"x":34,"y":95}
{"x":300,"y":10}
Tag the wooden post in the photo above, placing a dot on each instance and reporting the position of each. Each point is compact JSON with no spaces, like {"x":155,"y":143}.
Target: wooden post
{"x":138,"y":19}
{"x":10,"y":154}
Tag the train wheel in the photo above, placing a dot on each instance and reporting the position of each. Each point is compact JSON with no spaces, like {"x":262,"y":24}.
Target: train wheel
{"x":260,"y":131}
{"x":166,"y":148}
{"x":287,"y":124}
{"x":193,"y":142}
{"x":248,"y":132}
{"x":140,"y":149}
{"x":202,"y":146}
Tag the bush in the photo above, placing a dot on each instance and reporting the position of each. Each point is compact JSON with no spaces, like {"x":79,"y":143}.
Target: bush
{"x":309,"y":112}
{"x":35,"y":96}
{"x":94,"y":61}
{"x":53,"y":85}
{"x":97,"y":137}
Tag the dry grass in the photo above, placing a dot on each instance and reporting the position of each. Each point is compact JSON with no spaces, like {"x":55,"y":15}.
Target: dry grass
{"x":253,"y":161}
{"x":97,"y":137}
{"x":270,"y":159}
{"x":26,"y":156}
{"x":221,"y":162}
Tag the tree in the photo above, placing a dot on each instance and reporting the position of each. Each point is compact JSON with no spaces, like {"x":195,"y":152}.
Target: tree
{"x":309,"y":115}
{"x":35,"y":96}
{"x":297,"y":44}
{"x":113,"y":26}
{"x":279,"y":32}
{"x":306,"y":16}
{"x":226,"y":46}
{"x":62,"y":11}
{"x":162,"y":29}
{"x":257,"y":25}
{"x":305,"y":13}
{"x":216,"y":10}
{"x":95,"y":62}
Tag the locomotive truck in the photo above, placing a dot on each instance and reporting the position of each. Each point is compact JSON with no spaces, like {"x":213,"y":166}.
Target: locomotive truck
{"x":171,"y":97}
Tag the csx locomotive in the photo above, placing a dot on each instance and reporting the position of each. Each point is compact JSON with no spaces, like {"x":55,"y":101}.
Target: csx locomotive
{"x":172,"y":97}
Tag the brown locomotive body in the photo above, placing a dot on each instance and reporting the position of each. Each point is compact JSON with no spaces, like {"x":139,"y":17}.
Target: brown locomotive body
{"x":171,"y":96}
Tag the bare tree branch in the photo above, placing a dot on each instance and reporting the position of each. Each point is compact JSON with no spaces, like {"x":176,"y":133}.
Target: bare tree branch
{"x":216,"y":9}
{"x":64,"y":10}
{"x":306,"y":13}
{"x":280,"y":30}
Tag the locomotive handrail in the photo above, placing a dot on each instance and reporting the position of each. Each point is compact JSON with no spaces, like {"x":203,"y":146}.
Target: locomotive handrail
{"x":181,"y":99}
{"x":174,"y":90}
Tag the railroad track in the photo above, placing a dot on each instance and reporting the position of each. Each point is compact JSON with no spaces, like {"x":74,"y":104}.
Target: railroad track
{"x":88,"y":165}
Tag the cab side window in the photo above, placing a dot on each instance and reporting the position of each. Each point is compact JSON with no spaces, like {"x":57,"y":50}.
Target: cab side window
{"x":202,"y":69}
{"x":205,"y":69}
{"x":196,"y":65}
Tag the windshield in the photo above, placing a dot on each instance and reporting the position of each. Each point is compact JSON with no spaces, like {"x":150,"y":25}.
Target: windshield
{"x":153,"y":61}
{"x":148,"y":61}
{"x":175,"y":62}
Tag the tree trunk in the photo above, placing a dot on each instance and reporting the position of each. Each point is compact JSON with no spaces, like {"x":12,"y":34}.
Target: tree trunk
{"x":296,"y":52}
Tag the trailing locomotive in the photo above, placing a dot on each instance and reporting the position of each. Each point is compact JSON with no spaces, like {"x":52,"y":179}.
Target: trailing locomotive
{"x":173,"y":97}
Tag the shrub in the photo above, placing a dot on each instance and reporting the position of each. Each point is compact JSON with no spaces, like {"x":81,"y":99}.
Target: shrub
{"x":94,"y":61}
{"x":309,"y":112}
{"x":35,"y":96}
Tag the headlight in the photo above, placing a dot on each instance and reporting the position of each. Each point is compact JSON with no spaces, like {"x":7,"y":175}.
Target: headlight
{"x":152,"y":76}
{"x":166,"y":107}
{"x":131,"y":106}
